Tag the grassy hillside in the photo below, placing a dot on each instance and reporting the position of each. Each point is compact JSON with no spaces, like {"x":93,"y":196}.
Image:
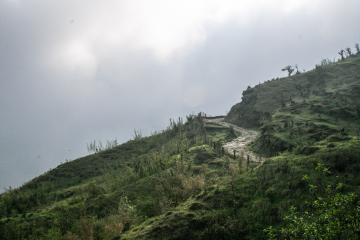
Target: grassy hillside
{"x":298,"y":111}
{"x":114,"y":189}
{"x":247,"y":204}
{"x":180,"y":184}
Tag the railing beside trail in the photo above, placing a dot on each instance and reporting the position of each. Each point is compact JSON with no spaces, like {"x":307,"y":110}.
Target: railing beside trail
{"x":213,"y":117}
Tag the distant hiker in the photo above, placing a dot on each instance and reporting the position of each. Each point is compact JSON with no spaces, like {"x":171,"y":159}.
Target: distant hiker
{"x":234,"y":153}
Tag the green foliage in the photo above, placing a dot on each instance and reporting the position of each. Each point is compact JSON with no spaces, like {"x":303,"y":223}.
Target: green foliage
{"x":336,"y":217}
{"x":332,"y":215}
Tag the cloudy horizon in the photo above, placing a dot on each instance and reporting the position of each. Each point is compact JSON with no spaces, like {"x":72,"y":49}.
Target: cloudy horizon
{"x":75,"y":71}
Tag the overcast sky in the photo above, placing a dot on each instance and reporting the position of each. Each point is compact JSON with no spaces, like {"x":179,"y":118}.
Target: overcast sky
{"x":76,"y":70}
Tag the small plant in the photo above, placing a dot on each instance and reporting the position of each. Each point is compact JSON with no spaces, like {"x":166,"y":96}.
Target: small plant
{"x":97,"y":146}
{"x":325,"y":62}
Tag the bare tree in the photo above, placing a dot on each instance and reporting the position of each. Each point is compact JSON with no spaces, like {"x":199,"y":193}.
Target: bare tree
{"x":342,"y":53}
{"x":297,"y":69}
{"x":357,"y":48}
{"x":289,"y":69}
{"x":348,"y":50}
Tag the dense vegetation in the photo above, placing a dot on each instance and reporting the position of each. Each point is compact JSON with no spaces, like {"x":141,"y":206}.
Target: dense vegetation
{"x":179,"y":184}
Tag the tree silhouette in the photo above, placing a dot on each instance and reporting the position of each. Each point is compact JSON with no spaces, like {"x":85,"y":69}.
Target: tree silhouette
{"x":341,"y":53}
{"x":357,"y":48}
{"x":348,"y":50}
{"x":289,"y":69}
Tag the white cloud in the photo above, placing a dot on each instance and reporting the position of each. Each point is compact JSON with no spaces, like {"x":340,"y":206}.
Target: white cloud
{"x":166,"y":26}
{"x":195,"y":96}
{"x":13,"y":2}
{"x":77,"y":57}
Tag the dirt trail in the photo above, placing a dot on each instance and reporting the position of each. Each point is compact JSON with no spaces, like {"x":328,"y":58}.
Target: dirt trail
{"x":239,"y":145}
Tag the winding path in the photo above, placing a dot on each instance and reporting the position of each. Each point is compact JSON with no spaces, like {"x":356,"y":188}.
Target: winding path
{"x":240,"y":145}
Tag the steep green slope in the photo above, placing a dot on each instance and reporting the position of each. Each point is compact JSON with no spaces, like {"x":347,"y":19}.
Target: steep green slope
{"x":300,"y":110}
{"x":331,"y":88}
{"x":180,"y":184}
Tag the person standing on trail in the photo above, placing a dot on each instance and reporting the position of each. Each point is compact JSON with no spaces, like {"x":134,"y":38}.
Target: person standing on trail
{"x":234,"y":153}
